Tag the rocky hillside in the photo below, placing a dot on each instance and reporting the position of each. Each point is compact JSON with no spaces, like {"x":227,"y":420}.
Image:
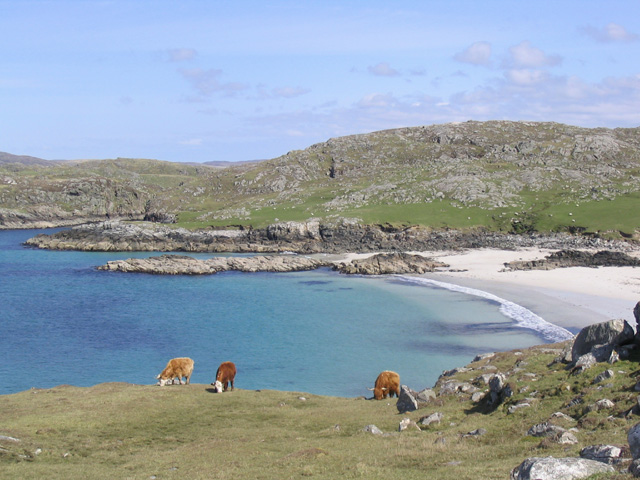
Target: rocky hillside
{"x":508,"y":176}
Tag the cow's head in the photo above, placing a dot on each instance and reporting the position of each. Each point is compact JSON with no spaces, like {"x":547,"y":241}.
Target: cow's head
{"x":217,"y":386}
{"x":379,"y":393}
{"x":162,"y":381}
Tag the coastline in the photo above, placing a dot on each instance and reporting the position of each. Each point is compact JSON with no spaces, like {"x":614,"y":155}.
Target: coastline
{"x":571,"y":298}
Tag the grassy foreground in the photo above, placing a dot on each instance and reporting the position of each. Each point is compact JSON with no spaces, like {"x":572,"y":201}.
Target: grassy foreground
{"x":118,"y":430}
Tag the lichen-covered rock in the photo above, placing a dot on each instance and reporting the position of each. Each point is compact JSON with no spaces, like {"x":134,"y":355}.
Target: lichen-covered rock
{"x":633,"y":437}
{"x":407,"y":400}
{"x":433,"y":418}
{"x":612,"y":332}
{"x":550,"y":468}
{"x":609,"y":454}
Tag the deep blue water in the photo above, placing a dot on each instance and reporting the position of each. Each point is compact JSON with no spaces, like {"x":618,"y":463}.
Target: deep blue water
{"x":64,"y":322}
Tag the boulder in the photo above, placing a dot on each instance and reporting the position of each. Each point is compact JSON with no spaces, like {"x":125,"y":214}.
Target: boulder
{"x":372,"y":429}
{"x":545,"y":429}
{"x":550,"y":468}
{"x":407,"y":400}
{"x":425,"y":396}
{"x":607,"y":374}
{"x":609,"y":454}
{"x":633,"y":437}
{"x":612,"y":332}
{"x":433,"y":418}
{"x":406,"y":424}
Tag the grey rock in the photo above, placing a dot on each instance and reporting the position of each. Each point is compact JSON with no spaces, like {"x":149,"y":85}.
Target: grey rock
{"x":477,"y":396}
{"x":433,"y":418}
{"x":478,"y":432}
{"x":545,"y":429}
{"x":406,"y":424}
{"x":372,"y":429}
{"x":518,"y":406}
{"x":607,"y":374}
{"x":609,"y":454}
{"x":425,"y":396}
{"x":603,"y":404}
{"x":483,"y":356}
{"x":550,"y":468}
{"x":566,"y":438}
{"x":634,"y":468}
{"x":584,"y":362}
{"x":612,"y":332}
{"x":633,"y":437}
{"x":407,"y":400}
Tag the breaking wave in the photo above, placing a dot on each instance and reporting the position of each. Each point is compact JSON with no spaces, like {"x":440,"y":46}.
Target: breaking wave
{"x":522,"y":317}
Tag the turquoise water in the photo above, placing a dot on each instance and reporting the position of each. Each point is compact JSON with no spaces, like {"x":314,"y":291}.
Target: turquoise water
{"x":64,"y":322}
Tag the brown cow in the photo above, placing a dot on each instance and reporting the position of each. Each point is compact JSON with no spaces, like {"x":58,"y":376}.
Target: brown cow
{"x":226,"y":374}
{"x":176,"y":368}
{"x":387,"y":383}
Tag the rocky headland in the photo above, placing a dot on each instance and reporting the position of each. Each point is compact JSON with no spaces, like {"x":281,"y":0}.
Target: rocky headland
{"x":304,"y":238}
{"x":185,"y":265}
{"x":576,"y":258}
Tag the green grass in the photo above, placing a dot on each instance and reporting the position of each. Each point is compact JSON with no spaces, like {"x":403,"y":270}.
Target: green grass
{"x":118,"y":430}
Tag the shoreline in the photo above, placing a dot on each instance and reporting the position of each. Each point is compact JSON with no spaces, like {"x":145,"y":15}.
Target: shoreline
{"x":572,"y":297}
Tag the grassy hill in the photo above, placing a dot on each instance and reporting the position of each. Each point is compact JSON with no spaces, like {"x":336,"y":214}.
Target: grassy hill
{"x":118,"y":430}
{"x":506,"y":176}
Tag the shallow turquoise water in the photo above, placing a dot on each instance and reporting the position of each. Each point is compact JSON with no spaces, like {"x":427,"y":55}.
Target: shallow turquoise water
{"x":63,"y":322}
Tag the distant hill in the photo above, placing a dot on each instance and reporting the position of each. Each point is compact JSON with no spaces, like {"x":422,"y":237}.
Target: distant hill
{"x":500,"y":175}
{"x":23,"y":159}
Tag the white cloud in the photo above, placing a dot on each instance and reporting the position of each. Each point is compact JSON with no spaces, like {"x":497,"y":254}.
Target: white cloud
{"x":478,"y":53}
{"x":611,"y":33}
{"x":181,"y":54}
{"x":289,"y":92}
{"x":206,"y":82}
{"x":523,"y":76}
{"x":377,"y":100}
{"x":524,"y":55}
{"x":383,"y":70}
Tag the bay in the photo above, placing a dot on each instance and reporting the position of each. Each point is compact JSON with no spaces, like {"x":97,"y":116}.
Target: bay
{"x":64,"y":322}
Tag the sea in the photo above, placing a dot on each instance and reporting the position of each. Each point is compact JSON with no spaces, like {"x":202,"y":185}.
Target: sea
{"x":62,"y":321}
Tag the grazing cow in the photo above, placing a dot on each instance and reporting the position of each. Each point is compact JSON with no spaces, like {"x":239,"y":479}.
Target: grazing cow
{"x":225,"y":375}
{"x":387,"y":383}
{"x":176,"y":368}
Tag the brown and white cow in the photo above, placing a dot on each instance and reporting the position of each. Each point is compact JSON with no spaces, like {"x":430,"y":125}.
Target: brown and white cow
{"x":387,"y":383}
{"x":226,"y":374}
{"x":176,"y":368}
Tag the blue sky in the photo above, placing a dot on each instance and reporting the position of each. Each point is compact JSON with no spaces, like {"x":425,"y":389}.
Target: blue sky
{"x":185,"y":80}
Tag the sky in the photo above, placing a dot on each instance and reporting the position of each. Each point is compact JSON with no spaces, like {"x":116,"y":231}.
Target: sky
{"x":214,"y":80}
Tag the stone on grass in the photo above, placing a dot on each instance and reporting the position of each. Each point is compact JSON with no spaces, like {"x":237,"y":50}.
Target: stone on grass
{"x":550,"y":468}
{"x":407,"y":400}
{"x":372,"y":429}
{"x":433,"y":418}
{"x":612,"y":332}
{"x":609,"y":454}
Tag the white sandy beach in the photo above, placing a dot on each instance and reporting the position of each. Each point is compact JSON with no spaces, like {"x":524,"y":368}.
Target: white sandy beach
{"x":569,"y":297}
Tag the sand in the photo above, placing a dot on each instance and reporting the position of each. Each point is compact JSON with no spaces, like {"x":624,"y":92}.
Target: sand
{"x":568,"y":297}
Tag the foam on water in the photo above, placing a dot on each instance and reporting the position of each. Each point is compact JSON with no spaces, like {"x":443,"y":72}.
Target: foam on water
{"x":522,"y":316}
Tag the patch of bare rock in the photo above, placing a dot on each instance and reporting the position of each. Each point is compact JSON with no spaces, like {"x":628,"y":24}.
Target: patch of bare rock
{"x":186,"y":265}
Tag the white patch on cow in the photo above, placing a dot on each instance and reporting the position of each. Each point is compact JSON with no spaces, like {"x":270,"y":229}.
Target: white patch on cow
{"x":217,"y":387}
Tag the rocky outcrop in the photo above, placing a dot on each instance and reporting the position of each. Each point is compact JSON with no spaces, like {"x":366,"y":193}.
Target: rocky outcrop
{"x":606,"y":334}
{"x":391,"y":263}
{"x":575,"y":258}
{"x":305,"y":237}
{"x":186,"y":265}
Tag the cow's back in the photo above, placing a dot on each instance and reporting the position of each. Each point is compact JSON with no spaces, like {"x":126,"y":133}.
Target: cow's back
{"x":226,"y":372}
{"x":178,"y":367}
